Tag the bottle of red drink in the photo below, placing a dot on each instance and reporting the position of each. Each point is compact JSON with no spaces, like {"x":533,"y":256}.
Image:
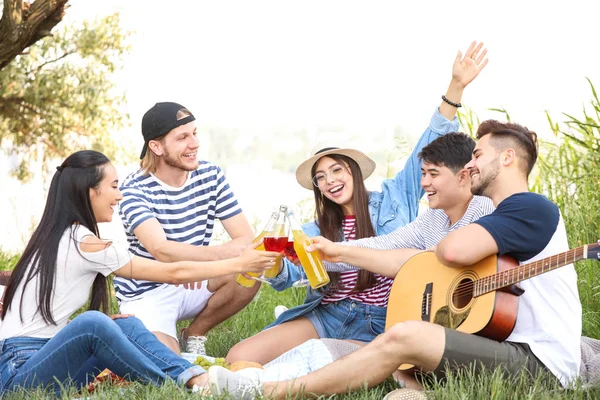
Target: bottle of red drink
{"x":241,"y":279}
{"x":276,"y":240}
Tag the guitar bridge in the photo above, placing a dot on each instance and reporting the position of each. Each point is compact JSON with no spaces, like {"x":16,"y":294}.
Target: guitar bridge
{"x":426,"y":303}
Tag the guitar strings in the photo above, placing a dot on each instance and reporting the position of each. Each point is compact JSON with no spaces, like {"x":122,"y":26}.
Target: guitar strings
{"x":467,"y":289}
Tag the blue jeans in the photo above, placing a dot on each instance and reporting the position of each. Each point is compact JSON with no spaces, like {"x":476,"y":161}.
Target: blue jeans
{"x":87,"y":345}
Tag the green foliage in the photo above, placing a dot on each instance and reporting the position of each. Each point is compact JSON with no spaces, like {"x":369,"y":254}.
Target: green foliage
{"x":59,"y":97}
{"x":7,"y":261}
{"x":569,"y":174}
{"x":469,"y":121}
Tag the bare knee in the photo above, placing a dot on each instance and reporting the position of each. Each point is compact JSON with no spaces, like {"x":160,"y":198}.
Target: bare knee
{"x":242,"y":351}
{"x":401,"y":336}
{"x":236,"y":293}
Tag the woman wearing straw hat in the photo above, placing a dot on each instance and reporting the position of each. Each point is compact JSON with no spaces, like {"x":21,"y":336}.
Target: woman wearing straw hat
{"x":353,"y":305}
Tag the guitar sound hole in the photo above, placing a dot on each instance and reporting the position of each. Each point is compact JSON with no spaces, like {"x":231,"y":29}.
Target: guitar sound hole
{"x":463,"y":294}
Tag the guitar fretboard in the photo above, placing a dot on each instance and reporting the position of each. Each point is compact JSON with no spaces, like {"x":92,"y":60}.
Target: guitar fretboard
{"x":514,"y":275}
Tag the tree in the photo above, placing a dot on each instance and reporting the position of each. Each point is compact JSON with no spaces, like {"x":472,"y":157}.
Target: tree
{"x":59,"y":97}
{"x":23,"y":24}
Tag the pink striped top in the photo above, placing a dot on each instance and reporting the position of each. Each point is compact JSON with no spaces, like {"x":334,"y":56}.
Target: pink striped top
{"x":378,"y":295}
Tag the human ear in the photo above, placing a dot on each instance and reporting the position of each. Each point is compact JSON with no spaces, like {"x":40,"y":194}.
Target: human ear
{"x":463,"y":176}
{"x":156,"y":147}
{"x":508,"y":157}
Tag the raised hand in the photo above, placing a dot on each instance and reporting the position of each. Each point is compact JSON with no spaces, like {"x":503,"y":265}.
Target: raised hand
{"x":329,"y":250}
{"x":466,"y":68}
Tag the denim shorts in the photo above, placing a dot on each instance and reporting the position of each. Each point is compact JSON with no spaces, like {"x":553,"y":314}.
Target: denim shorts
{"x":348,"y":319}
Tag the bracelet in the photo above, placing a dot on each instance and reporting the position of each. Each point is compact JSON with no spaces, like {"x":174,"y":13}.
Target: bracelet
{"x":457,"y":105}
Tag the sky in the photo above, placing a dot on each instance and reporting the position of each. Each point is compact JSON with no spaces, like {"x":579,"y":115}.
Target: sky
{"x":362,"y":65}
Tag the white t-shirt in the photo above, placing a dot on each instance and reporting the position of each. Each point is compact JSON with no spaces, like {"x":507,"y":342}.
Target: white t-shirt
{"x":529,"y":227}
{"x":75,"y":274}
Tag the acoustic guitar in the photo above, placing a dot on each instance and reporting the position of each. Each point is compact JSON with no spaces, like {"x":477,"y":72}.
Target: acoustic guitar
{"x":480,"y":299}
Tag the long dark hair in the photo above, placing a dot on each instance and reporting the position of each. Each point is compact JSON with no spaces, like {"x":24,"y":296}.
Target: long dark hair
{"x":68,"y":203}
{"x":330,"y":216}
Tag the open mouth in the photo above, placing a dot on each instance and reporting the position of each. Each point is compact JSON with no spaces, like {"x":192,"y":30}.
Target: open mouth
{"x":336,"y":191}
{"x":190,"y":155}
{"x":429,"y":194}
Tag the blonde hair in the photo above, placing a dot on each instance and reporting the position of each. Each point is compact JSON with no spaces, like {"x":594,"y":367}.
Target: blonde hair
{"x":149,"y":163}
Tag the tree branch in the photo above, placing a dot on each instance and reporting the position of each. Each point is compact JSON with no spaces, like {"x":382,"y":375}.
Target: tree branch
{"x":23,"y":24}
{"x":39,"y":67}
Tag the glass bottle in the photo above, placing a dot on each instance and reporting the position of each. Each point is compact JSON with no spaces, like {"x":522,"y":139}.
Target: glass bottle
{"x":311,"y":261}
{"x":276,"y":240}
{"x":241,"y":279}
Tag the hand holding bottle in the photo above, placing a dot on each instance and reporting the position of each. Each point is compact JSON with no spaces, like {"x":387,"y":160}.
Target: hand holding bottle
{"x":253,"y":259}
{"x":328,"y":250}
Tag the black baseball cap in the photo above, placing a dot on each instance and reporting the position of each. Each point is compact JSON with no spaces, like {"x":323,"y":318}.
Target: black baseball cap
{"x":161,"y":119}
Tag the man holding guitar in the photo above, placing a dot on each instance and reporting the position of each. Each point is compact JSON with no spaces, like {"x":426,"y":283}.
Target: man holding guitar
{"x":525,"y":226}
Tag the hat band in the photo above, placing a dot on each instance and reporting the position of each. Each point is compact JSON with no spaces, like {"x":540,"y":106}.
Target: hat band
{"x":326,"y":149}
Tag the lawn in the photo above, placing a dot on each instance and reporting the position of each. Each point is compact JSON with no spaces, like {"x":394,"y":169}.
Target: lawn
{"x":259,"y":313}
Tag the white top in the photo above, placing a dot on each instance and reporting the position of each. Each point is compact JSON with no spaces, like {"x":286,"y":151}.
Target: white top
{"x":549,"y":314}
{"x":75,"y":274}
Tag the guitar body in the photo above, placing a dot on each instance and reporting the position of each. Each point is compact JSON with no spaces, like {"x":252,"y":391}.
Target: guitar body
{"x":427,"y":290}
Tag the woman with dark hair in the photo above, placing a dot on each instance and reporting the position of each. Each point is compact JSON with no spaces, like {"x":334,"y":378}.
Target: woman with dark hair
{"x":353,"y":306}
{"x":63,"y":260}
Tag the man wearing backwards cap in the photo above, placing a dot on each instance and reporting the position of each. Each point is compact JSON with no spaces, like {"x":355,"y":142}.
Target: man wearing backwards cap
{"x":169,"y":208}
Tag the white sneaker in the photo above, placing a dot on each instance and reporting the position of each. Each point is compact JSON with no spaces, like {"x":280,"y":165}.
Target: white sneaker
{"x":279,"y":310}
{"x":193,"y":344}
{"x":245,"y":384}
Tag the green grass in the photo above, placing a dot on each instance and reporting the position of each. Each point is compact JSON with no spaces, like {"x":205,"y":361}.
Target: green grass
{"x":259,"y":313}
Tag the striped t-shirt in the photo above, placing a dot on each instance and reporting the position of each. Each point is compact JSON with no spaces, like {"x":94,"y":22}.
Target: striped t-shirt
{"x":423,"y":233}
{"x":187,"y":214}
{"x":377,"y":295}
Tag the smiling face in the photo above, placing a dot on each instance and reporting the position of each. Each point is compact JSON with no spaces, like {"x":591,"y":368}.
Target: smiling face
{"x":334,"y":180}
{"x":179,"y":147}
{"x":107,"y":195}
{"x":441,"y":185}
{"x":484,"y":167}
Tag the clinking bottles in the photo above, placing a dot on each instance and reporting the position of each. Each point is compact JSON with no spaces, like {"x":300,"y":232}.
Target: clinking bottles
{"x":311,"y":262}
{"x":241,"y":279}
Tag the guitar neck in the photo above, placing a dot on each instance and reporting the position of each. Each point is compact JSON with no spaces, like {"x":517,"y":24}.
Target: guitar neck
{"x":515,"y":275}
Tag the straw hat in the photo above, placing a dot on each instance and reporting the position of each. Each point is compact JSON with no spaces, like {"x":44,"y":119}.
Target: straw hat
{"x":304,"y":177}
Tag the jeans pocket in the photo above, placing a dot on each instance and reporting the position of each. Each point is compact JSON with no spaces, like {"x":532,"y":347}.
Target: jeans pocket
{"x":376,"y":325}
{"x":22,"y":356}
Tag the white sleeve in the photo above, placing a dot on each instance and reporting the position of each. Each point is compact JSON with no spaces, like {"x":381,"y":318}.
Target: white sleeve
{"x":108,"y":260}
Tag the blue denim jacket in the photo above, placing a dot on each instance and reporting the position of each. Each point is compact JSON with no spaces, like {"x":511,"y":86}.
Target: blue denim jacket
{"x":396,"y":205}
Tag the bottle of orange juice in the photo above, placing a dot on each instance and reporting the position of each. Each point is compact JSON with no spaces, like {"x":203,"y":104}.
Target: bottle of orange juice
{"x":241,"y":279}
{"x":311,"y":262}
